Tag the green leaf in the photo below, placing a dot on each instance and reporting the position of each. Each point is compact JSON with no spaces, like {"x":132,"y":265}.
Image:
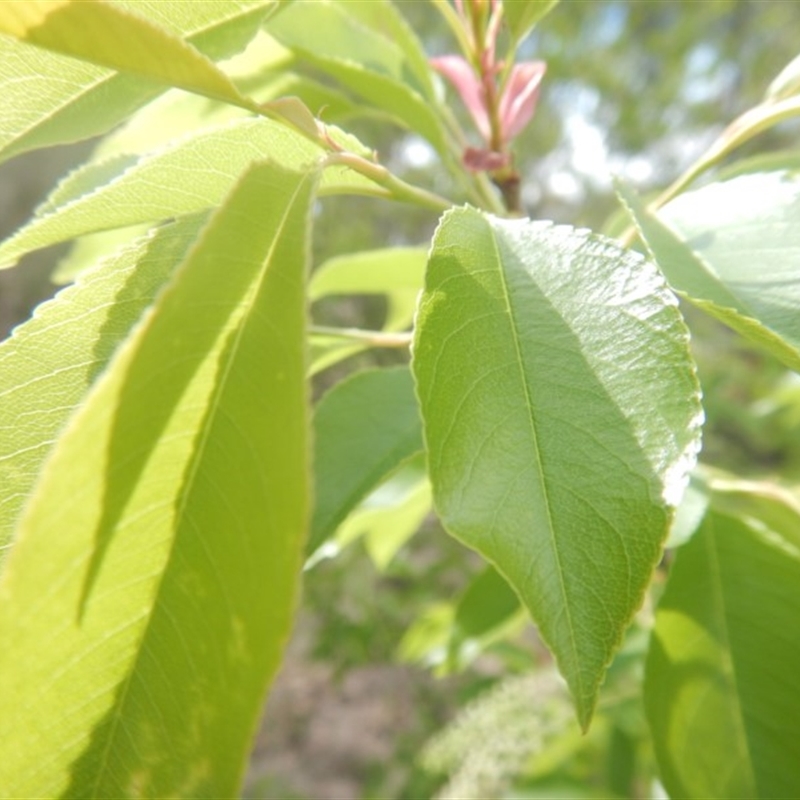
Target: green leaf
{"x":561,"y":416}
{"x":756,"y":120}
{"x":388,"y":517}
{"x":53,"y":99}
{"x":150,"y":591}
{"x":487,"y":603}
{"x":722,"y":687}
{"x":710,"y":243}
{"x":339,"y":39}
{"x":90,"y":250}
{"x":383,"y":18}
{"x":450,"y":636}
{"x":689,"y":514}
{"x":42,"y":381}
{"x":191,"y":175}
{"x":371,"y":272}
{"x":398,"y":273}
{"x":364,"y":428}
{"x":111,"y":36}
{"x":522,"y":15}
{"x":787,"y":84}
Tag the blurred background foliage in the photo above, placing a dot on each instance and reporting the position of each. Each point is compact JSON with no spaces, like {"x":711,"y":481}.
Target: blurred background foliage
{"x":633,"y":89}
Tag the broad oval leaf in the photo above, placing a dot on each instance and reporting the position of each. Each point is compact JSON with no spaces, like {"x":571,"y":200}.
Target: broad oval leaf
{"x":561,"y":415}
{"x":722,"y":684}
{"x":51,"y":99}
{"x":365,"y":427}
{"x":191,"y":175}
{"x":710,"y":246}
{"x":42,"y":381}
{"x":150,"y":590}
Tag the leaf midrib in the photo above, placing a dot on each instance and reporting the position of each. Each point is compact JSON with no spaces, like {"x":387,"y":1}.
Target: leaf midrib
{"x":190,"y":479}
{"x":537,"y":450}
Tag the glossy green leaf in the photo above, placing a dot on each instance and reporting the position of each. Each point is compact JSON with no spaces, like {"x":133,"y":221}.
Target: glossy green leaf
{"x":710,"y":245}
{"x":364,"y":428}
{"x":561,"y":416}
{"x":42,"y":381}
{"x":347,"y":41}
{"x":149,"y":593}
{"x":52,"y":99}
{"x":522,"y":15}
{"x":722,"y":687}
{"x":186,"y":177}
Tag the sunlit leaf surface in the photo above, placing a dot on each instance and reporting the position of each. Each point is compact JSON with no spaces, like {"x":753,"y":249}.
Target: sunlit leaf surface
{"x":50,"y":98}
{"x":561,"y":416}
{"x":42,"y":381}
{"x":711,"y":245}
{"x":191,"y":175}
{"x":147,"y":599}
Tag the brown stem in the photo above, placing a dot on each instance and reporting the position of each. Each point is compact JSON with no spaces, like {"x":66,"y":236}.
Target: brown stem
{"x":510,"y":187}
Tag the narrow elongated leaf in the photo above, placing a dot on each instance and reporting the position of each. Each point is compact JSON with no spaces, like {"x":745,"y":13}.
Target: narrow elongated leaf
{"x":149,"y":593}
{"x":364,"y":428}
{"x":42,"y":381}
{"x":710,"y":246}
{"x":110,"y":36}
{"x":384,"y":18}
{"x":52,"y":99}
{"x":722,"y":686}
{"x":186,"y":177}
{"x":522,"y":15}
{"x":561,"y":416}
{"x":334,"y":37}
{"x":787,"y":84}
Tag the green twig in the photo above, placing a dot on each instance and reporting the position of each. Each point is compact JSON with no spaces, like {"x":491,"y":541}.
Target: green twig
{"x":372,"y":338}
{"x":399,"y":189}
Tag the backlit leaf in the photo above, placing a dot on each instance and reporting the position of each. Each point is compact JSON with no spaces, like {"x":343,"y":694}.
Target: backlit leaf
{"x":347,"y":41}
{"x":710,"y":246}
{"x":149,"y":594}
{"x":191,"y":175}
{"x":51,"y":99}
{"x":111,"y":36}
{"x":42,"y":381}
{"x":561,"y":417}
